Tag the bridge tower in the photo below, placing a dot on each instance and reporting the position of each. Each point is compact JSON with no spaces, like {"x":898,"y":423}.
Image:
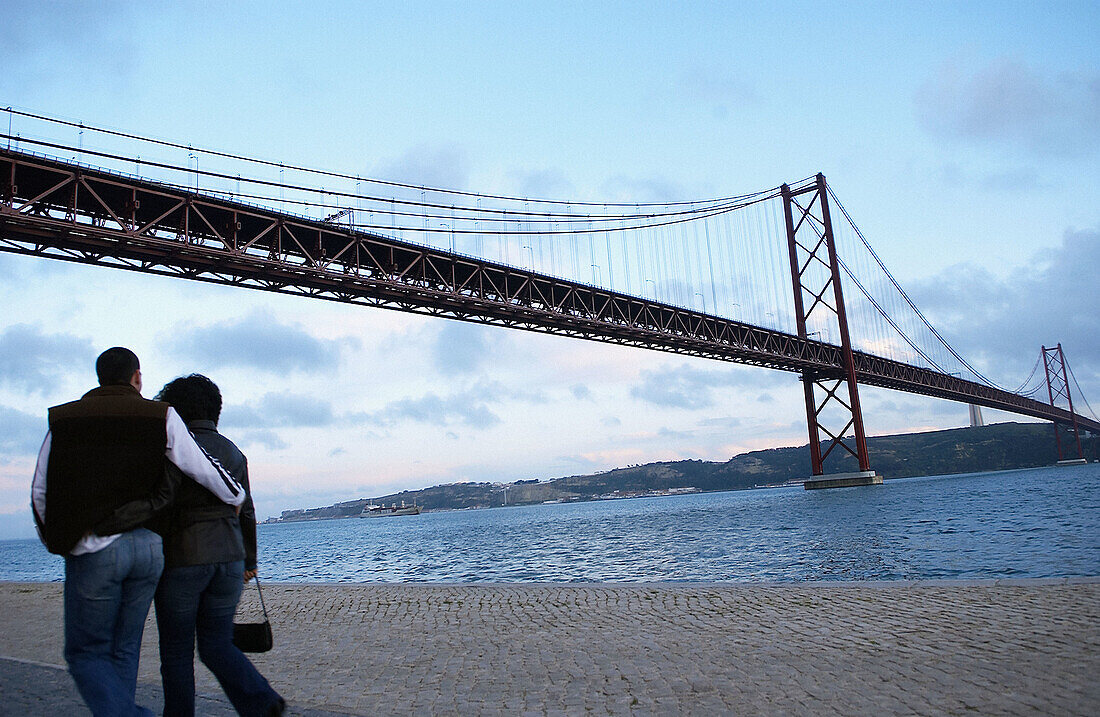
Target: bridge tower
{"x":815,"y":272}
{"x":1054,"y":361}
{"x":976,"y":420}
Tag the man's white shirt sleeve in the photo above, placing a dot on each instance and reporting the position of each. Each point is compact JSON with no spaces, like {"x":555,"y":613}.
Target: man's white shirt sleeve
{"x":202,"y":467}
{"x":38,"y":485}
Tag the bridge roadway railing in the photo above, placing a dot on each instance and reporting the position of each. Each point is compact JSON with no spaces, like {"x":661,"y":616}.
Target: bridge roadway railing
{"x":61,"y":210}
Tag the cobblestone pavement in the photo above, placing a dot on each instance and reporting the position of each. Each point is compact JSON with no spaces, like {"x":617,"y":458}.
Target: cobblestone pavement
{"x":1017,"y":648}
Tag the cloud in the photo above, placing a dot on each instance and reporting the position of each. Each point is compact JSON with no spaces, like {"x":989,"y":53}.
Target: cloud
{"x":36,"y":362}
{"x":20,"y":432}
{"x":1008,"y":103}
{"x":470,"y":407}
{"x":903,"y":407}
{"x":463,"y":348}
{"x":543,"y":184}
{"x":439,"y":166}
{"x":656,"y":189}
{"x":267,"y":439}
{"x":1001,"y":323}
{"x":260,"y":342}
{"x":467,"y":408}
{"x":34,"y":38}
{"x":280,"y":410}
{"x":671,"y":434}
{"x":23,"y":273}
{"x":718,"y":90}
{"x":1016,"y":180}
{"x":581,"y":392}
{"x":518,"y":395}
{"x":685,"y":386}
{"x":724,"y":423}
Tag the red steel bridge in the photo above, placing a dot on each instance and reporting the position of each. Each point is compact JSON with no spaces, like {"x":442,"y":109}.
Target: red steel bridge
{"x":68,"y":210}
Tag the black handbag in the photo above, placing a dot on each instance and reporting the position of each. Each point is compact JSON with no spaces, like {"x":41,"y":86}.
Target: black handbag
{"x":254,"y":636}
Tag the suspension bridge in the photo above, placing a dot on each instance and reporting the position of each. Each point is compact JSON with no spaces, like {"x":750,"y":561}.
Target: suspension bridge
{"x":781,"y":278}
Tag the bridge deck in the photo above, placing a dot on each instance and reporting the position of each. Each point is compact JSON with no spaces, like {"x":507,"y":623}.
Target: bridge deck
{"x":66,"y":211}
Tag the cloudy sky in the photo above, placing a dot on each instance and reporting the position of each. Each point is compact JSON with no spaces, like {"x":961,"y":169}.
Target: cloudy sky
{"x":963,"y":137}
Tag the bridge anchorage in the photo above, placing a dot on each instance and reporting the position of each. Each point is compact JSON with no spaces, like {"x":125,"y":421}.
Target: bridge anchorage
{"x":61,"y":209}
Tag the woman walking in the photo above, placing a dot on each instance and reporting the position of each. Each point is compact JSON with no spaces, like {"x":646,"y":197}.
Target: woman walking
{"x":209,"y":553}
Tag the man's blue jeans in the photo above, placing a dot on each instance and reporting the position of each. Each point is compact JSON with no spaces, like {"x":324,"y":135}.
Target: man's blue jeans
{"x":200,"y":601}
{"x":107,"y":596}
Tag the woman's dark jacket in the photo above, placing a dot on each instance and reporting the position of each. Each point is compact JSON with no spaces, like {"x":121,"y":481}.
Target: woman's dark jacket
{"x":197,"y":527}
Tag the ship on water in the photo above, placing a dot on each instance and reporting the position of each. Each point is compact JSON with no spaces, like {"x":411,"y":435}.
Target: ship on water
{"x":386,"y":511}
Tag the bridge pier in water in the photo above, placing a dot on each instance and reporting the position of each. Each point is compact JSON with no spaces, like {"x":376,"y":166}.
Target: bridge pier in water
{"x":843,"y":480}
{"x":814,"y":269}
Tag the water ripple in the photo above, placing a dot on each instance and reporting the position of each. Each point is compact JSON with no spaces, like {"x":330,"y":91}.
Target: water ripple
{"x":1039,"y":523}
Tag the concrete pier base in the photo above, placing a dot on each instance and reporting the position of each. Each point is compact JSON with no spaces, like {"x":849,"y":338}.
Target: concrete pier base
{"x":1073,"y":462}
{"x":843,"y":480}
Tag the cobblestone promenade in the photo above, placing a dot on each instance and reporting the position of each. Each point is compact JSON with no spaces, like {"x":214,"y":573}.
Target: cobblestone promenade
{"x":847,"y":649}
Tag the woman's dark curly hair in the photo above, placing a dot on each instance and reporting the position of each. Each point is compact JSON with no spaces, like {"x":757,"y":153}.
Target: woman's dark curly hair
{"x":194,"y":397}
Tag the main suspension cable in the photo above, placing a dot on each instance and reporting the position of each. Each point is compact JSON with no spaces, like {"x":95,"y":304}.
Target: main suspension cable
{"x":908,"y":300}
{"x":692,"y":216}
{"x":340,"y":175}
{"x":1030,"y":375}
{"x":507,"y":215}
{"x":708,"y":211}
{"x":1079,"y":391}
{"x":886,"y":316}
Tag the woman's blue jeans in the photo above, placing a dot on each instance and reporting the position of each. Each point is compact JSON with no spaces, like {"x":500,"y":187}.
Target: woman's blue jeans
{"x":107,"y":596}
{"x":198,"y":602}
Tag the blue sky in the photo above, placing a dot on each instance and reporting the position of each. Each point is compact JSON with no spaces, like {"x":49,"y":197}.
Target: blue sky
{"x":963,"y":137}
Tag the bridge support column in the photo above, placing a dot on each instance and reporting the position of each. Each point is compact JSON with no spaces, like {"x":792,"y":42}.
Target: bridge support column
{"x":814,"y":271}
{"x":1054,"y":362}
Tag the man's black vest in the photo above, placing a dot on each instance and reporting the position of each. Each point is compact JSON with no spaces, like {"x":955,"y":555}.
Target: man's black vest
{"x":105,"y":450}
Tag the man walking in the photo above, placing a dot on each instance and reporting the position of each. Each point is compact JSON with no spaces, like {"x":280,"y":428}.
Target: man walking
{"x":103,"y":453}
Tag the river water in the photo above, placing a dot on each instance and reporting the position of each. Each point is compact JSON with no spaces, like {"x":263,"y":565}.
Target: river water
{"x":1038,"y":523}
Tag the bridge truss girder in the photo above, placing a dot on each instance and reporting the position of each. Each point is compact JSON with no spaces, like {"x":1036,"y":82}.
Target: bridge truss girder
{"x":59,"y":210}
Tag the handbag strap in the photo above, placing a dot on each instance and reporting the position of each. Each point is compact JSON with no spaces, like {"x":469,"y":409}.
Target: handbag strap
{"x":261,"y":592}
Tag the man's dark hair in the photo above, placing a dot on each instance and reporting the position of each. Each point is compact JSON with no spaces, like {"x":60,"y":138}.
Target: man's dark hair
{"x":194,"y":397}
{"x":116,"y":366}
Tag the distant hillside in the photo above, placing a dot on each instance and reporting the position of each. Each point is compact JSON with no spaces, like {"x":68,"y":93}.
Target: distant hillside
{"x":1002,"y":446}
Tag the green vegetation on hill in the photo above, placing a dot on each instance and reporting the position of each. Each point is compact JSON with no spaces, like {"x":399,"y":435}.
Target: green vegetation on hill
{"x":1002,"y":446}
